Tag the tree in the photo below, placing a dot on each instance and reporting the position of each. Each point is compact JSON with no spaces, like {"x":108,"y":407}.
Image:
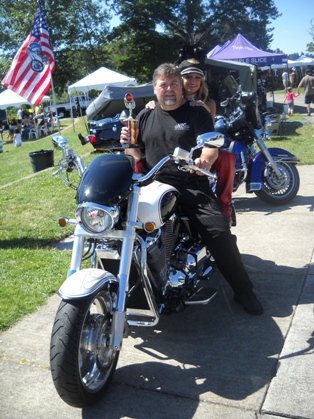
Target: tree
{"x":150,"y":32}
{"x":214,"y":21}
{"x":78,"y":34}
{"x":141,"y":52}
{"x":294,"y":56}
{"x":310,"y":46}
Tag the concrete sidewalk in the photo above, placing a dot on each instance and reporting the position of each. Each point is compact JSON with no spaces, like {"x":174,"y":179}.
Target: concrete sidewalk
{"x":213,"y":361}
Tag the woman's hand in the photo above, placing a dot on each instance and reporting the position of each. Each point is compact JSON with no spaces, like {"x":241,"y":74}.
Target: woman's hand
{"x":201,"y":103}
{"x":151,"y":104}
{"x":210,"y":106}
{"x":197,"y":103}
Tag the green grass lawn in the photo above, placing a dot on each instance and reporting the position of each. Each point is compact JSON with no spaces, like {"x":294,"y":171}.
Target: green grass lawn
{"x":31,"y":269}
{"x":296,"y":138}
{"x":15,"y":162}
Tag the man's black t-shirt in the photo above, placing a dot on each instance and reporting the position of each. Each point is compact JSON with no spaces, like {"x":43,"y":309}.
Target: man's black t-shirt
{"x":160,"y":132}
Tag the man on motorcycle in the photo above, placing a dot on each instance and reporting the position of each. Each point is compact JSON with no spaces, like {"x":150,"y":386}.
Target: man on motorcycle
{"x":195,"y":90}
{"x":175,"y":123}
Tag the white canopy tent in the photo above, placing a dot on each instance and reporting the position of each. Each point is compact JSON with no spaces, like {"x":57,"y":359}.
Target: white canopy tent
{"x":99,"y":79}
{"x":302,"y":61}
{"x":10,"y":98}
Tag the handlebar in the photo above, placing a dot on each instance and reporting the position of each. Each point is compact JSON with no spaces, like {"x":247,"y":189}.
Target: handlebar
{"x":205,"y":172}
{"x":184,"y":159}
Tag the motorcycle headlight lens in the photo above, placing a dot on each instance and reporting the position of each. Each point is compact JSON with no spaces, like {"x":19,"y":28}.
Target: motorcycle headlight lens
{"x":97,"y":218}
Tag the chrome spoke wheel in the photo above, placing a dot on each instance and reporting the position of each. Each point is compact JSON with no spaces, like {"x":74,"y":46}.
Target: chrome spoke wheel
{"x":82,"y":358}
{"x":95,"y":354}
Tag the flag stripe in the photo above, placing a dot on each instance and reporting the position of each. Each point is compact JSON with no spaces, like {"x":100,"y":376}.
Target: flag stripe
{"x":30,"y":72}
{"x":18,"y":61}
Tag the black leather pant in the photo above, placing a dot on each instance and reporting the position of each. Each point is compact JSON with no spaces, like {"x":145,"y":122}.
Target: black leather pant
{"x":200,"y":204}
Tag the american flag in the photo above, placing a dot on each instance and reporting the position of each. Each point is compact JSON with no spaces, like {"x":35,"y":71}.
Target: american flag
{"x":30,"y":71}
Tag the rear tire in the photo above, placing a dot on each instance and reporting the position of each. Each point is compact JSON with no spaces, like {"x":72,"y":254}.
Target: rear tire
{"x":82,"y":362}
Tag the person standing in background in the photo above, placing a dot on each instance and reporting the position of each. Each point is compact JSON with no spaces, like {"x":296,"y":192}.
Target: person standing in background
{"x":78,"y":107}
{"x":293,"y":78}
{"x":308,"y":83}
{"x":19,"y":115}
{"x":285,"y":79}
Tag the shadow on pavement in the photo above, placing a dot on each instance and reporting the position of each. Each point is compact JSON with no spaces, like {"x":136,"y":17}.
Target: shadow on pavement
{"x":215,"y":353}
{"x":253,"y":203}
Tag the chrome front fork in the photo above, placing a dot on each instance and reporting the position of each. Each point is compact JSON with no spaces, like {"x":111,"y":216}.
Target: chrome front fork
{"x":265,"y":151}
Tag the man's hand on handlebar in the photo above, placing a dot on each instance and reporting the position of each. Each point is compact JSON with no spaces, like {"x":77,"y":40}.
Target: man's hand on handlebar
{"x":202,"y":164}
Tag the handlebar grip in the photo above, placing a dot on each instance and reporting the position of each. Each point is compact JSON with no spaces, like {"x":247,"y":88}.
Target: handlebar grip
{"x":204,"y":171}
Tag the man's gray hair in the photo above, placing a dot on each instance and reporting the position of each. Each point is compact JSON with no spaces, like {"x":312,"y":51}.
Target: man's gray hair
{"x":167,"y":70}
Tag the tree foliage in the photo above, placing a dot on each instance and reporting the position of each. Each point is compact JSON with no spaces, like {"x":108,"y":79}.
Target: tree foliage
{"x":150,"y":32}
{"x":179,"y":22}
{"x":78,"y":34}
{"x":215,"y":21}
{"x":310,"y":46}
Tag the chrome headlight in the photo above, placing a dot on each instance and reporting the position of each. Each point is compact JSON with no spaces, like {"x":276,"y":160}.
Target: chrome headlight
{"x":96,"y":218}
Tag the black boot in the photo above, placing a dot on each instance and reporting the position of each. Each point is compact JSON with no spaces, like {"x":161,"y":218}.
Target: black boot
{"x":249,"y":302}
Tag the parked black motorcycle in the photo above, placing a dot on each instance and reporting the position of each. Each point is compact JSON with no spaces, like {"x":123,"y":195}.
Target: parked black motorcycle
{"x":270,"y":173}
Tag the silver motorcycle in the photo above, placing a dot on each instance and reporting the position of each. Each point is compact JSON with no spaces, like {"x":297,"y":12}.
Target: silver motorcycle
{"x":135,"y":257}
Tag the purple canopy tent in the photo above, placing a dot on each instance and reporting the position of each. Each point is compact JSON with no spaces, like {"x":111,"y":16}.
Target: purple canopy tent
{"x":240,"y":49}
{"x":216,"y":49}
{"x":213,"y":51}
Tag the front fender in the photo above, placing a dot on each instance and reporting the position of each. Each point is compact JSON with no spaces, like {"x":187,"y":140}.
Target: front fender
{"x":83,"y":283}
{"x":254,"y":182}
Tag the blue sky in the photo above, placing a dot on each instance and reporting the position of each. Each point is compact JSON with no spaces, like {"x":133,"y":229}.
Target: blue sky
{"x":291,"y":30}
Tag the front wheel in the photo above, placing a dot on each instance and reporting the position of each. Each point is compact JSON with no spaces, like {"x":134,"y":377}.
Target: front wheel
{"x":279,"y":190}
{"x":81,"y":359}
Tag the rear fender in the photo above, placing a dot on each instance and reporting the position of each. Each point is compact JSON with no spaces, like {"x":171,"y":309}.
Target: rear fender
{"x":84,"y":283}
{"x":254,"y":180}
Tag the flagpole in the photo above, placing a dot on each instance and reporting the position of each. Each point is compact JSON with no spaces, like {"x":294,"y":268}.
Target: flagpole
{"x":54,"y":103}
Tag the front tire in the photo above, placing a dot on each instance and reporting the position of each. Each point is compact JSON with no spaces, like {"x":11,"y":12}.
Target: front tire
{"x":82,"y":362}
{"x":279,"y":190}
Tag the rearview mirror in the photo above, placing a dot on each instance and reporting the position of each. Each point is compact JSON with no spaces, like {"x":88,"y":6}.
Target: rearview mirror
{"x":210,"y":139}
{"x":59,"y":141}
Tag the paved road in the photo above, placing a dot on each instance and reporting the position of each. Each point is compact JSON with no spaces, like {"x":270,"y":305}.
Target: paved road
{"x":213,"y":361}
